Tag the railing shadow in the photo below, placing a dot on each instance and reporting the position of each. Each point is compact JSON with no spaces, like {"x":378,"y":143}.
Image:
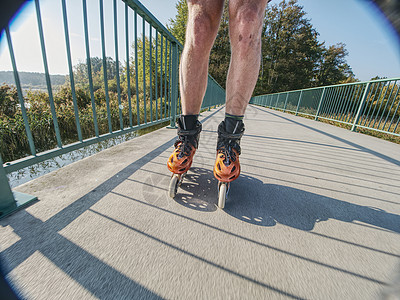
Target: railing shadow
{"x":96,"y":276}
{"x":36,"y":235}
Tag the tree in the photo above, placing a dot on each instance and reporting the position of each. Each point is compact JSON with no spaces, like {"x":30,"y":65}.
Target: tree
{"x":290,"y":49}
{"x":221,"y":51}
{"x":332,"y":67}
{"x":378,"y":77}
{"x":156,"y":73}
{"x":81,"y":73}
{"x":177,"y":26}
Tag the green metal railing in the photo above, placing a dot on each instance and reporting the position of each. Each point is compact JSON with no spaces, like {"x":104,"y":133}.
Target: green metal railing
{"x":373,"y":105}
{"x":158,"y":103}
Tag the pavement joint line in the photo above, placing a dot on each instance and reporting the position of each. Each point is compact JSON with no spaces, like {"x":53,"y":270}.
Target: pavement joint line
{"x":160,"y":174}
{"x":291,"y":140}
{"x":319,"y":187}
{"x":276,"y":155}
{"x":267,"y":286}
{"x":330,"y":173}
{"x":330,"y":167}
{"x":321,"y":154}
{"x":308,"y":143}
{"x":147,"y":184}
{"x":243,"y":238}
{"x":306,"y":153}
{"x":250,"y":148}
{"x":353,"y":244}
{"x":377,"y":154}
{"x":314,"y":233}
{"x":312,"y":177}
{"x":332,"y":162}
{"x":374,"y":227}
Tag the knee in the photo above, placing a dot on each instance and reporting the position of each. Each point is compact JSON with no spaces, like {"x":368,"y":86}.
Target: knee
{"x":246,"y":25}
{"x":201,"y":30}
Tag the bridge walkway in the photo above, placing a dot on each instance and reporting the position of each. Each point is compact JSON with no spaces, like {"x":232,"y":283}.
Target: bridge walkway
{"x":315,"y":214}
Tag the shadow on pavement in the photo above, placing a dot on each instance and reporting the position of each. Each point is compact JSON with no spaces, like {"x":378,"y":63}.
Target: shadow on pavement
{"x":252,"y":201}
{"x":198,"y":190}
{"x":255,"y":202}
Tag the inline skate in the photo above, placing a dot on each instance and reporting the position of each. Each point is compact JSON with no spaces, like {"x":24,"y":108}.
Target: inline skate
{"x":181,"y":159}
{"x":227,"y":166}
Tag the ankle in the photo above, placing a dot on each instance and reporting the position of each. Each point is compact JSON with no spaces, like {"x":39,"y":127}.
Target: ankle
{"x":233,"y":123}
{"x":188,"y":121}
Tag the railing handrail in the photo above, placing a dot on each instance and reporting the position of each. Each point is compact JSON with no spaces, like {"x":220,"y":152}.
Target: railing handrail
{"x":370,"y":104}
{"x":150,"y":18}
{"x":213,"y":79}
{"x":334,"y":85}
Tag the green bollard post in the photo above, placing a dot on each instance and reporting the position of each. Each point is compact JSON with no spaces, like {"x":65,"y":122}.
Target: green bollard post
{"x":9,"y":201}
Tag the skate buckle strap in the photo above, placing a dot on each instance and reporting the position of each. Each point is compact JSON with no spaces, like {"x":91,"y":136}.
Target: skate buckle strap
{"x":188,"y":137}
{"x":193,"y":131}
{"x":226,"y":146}
{"x":231,"y":136}
{"x":187,"y":132}
{"x":229,"y":154}
{"x":183,"y":144}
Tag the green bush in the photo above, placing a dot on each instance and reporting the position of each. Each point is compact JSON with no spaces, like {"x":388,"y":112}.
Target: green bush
{"x":13,"y":138}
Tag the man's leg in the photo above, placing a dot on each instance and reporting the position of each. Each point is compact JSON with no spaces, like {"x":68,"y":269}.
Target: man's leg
{"x":245,"y":26}
{"x":202,"y":28}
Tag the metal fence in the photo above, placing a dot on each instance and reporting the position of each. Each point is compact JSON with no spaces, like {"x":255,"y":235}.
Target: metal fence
{"x":373,"y":105}
{"x":153,"y":100}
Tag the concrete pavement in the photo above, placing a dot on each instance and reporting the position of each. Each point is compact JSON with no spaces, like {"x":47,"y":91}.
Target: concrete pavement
{"x":314,"y":215}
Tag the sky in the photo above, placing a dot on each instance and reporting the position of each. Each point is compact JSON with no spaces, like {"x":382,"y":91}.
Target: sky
{"x":373,"y":47}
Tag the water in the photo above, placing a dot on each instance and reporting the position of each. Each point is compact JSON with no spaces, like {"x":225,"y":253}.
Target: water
{"x":29,"y":173}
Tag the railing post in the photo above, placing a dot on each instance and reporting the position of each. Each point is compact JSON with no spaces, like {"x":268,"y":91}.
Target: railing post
{"x":298,"y":104}
{"x":9,"y":201}
{"x":175,"y":86}
{"x":364,"y":97}
{"x":20,"y":95}
{"x":287,"y":96}
{"x":320,"y":104}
